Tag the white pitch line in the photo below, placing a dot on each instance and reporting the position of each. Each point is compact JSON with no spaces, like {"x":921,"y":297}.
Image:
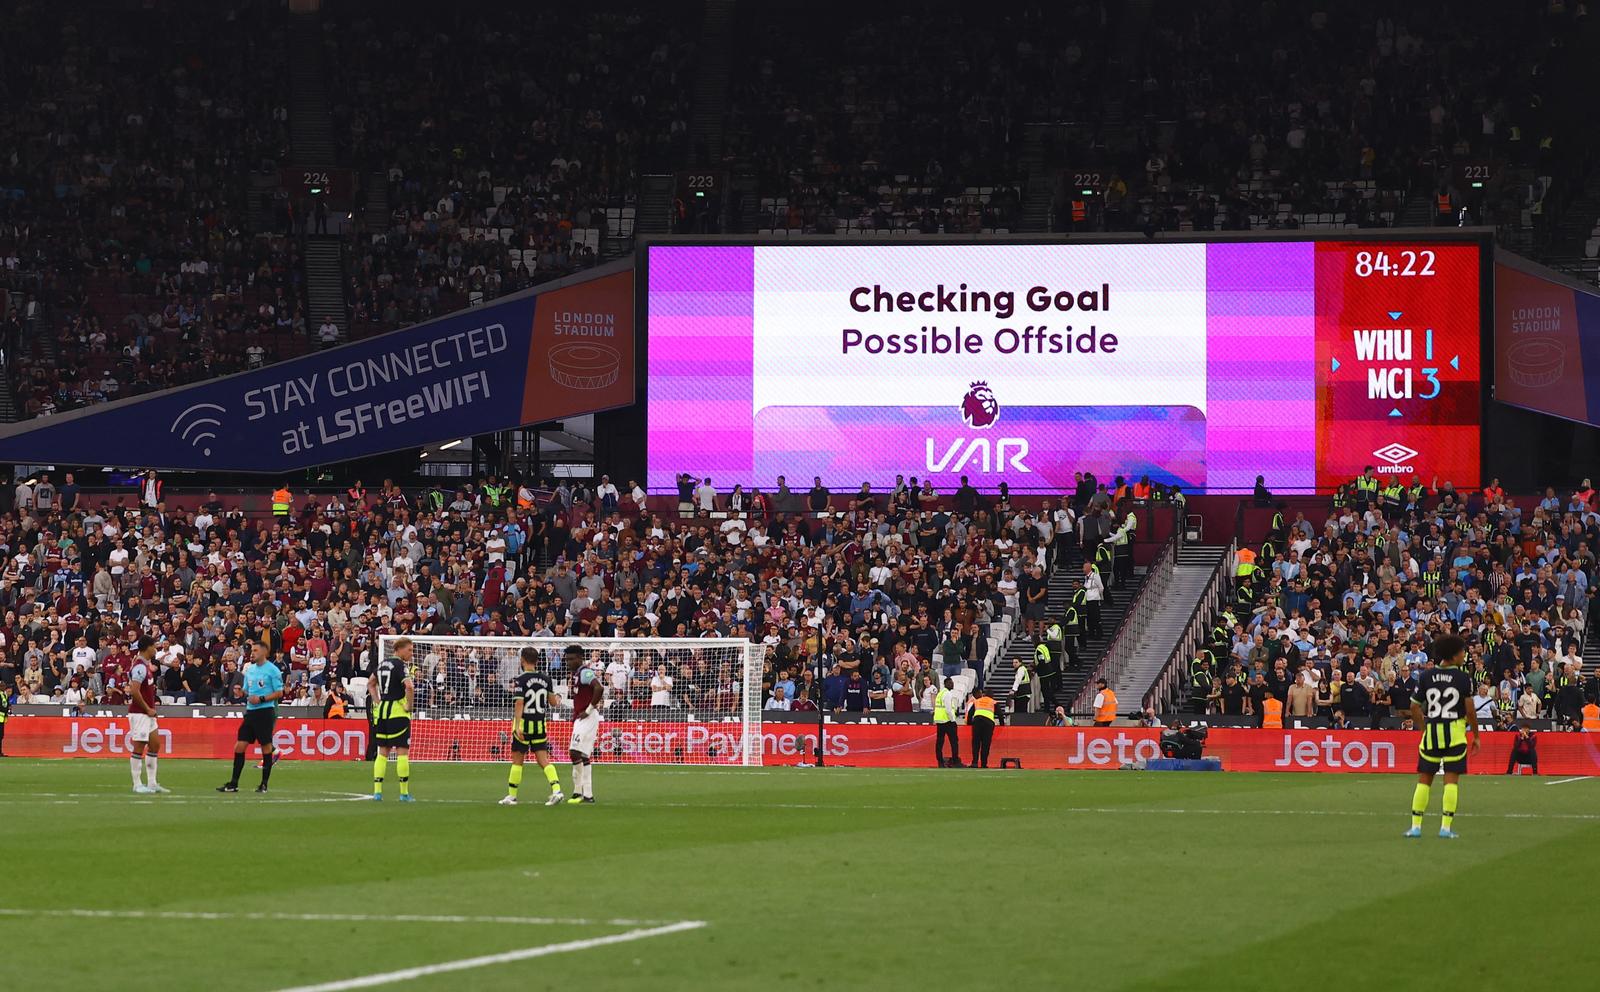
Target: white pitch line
{"x":543,"y":950}
{"x":1129,"y":810}
{"x":1576,"y":778}
{"x":175,"y":914}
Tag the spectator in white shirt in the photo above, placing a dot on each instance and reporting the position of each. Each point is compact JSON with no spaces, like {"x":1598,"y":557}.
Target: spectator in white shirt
{"x":496,"y":545}
{"x":661,"y":688}
{"x":778,"y":700}
{"x":619,"y":675}
{"x":83,"y":656}
{"x":118,"y":559}
{"x":1094,"y":593}
{"x":705,"y":497}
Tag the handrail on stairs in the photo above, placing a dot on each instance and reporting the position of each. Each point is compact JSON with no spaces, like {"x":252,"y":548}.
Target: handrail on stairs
{"x":1164,"y":690}
{"x":1119,"y":650}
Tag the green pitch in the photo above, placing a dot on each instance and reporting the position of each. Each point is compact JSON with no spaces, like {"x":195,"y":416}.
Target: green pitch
{"x":789,"y":878}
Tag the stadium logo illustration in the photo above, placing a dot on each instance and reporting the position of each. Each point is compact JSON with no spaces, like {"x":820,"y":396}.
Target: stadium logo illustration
{"x":194,"y":425}
{"x":1397,"y":455}
{"x":979,"y":408}
{"x":585,"y":365}
{"x":1537,"y":362}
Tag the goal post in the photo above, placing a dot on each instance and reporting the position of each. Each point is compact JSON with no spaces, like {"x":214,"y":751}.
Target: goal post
{"x":687,"y":701}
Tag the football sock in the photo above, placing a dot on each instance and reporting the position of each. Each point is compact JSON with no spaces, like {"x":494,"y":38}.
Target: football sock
{"x":267,"y":761}
{"x":514,"y":781}
{"x":238,"y":769}
{"x":1451,"y":792}
{"x":554,"y":778}
{"x":588,"y":780}
{"x":150,"y":768}
{"x":402,"y":765}
{"x":379,"y":766}
{"x":1419,"y":803}
{"x":137,"y":764}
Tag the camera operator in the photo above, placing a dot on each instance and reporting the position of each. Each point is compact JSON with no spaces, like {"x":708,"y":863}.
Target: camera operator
{"x":1178,"y":741}
{"x":1524,"y":751}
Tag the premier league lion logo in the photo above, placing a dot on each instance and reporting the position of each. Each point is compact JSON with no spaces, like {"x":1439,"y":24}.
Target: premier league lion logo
{"x":979,"y":408}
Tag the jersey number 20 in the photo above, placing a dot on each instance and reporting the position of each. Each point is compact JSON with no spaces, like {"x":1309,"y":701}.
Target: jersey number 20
{"x":533,"y":702}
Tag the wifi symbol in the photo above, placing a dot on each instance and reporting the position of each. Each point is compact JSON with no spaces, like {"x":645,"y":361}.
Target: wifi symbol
{"x":196,"y":426}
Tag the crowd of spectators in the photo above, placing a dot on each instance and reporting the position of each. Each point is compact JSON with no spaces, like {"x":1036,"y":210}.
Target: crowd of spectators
{"x":860,"y":608}
{"x":1327,"y":116}
{"x":902,"y":121}
{"x":123,"y":203}
{"x":509,"y":167}
{"x":1334,"y":616}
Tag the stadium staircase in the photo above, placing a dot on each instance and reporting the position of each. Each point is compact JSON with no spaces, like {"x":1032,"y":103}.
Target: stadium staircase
{"x":311,"y":137}
{"x":1038,"y":195}
{"x":324,"y":261}
{"x":376,"y":218}
{"x":10,"y":412}
{"x":1419,"y":209}
{"x":655,"y":205}
{"x":1155,"y":638}
{"x":708,"y":121}
{"x":310,"y":124}
{"x":1591,"y":651}
{"x":997,"y":680}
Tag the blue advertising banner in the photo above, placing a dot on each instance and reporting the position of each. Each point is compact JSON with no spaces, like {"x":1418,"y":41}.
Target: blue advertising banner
{"x":554,"y":353}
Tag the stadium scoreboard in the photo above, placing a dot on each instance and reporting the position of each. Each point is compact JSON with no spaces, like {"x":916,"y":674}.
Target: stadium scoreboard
{"x":1197,"y":363}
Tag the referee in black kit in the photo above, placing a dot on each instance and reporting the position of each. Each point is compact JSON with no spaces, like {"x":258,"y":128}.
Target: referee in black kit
{"x":263,"y":686}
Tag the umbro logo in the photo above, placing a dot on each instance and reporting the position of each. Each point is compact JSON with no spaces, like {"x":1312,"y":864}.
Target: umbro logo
{"x":1397,"y":455}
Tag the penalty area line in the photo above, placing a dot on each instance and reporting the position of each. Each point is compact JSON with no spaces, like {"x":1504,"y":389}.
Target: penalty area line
{"x":176,"y":914}
{"x":507,"y":957}
{"x":1575,"y":778}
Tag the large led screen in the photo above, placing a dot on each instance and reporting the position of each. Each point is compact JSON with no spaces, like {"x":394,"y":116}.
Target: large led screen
{"x":1199,"y":364}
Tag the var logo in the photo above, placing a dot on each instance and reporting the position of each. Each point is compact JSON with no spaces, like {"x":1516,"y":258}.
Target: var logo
{"x":979,"y":410}
{"x":1007,"y":452}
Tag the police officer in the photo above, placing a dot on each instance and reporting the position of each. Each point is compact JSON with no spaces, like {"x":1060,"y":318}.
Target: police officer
{"x":1050,"y":670}
{"x":1072,"y":645}
{"x":1024,"y":687}
{"x":1244,"y":597}
{"x":1104,"y":556}
{"x":1366,"y":489}
{"x":1200,"y":682}
{"x":1122,"y":551}
{"x":980,"y":718}
{"x":1393,"y":498}
{"x":944,"y":726}
{"x":494,"y":493}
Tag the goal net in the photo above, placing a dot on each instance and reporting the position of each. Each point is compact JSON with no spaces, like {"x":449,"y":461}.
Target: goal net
{"x":688,"y":701}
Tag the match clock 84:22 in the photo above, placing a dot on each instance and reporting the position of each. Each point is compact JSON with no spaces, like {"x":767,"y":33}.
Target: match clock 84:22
{"x":1404,"y":263}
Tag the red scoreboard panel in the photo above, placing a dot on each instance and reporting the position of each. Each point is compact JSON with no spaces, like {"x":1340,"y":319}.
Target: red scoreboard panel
{"x":1398,"y":341}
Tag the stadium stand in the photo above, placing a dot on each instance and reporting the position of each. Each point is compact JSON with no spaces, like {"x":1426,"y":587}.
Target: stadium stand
{"x":1341,"y":602}
{"x":517,"y":166}
{"x":124,"y":224}
{"x":134,"y":255}
{"x":896,"y":589}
